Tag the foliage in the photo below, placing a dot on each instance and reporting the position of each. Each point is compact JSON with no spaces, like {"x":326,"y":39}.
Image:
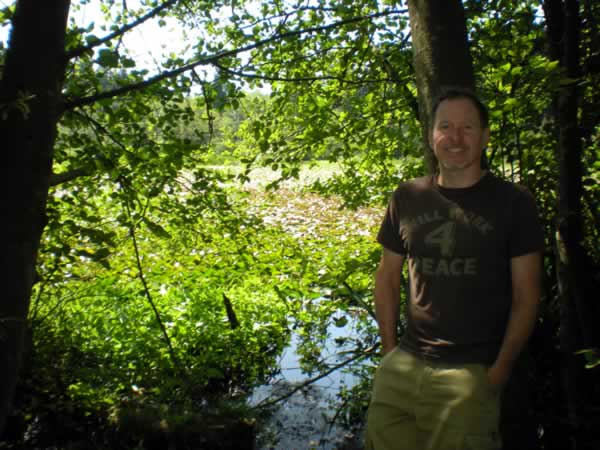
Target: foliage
{"x":592,"y":357}
{"x":272,"y":255}
{"x":286,"y":89}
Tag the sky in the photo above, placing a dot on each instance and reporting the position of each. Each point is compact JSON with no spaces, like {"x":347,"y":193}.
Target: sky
{"x":146,"y":44}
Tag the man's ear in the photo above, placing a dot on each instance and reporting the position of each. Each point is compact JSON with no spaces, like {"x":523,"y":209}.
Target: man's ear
{"x":485,"y":138}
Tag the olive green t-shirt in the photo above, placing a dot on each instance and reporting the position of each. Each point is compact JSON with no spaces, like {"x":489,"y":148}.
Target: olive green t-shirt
{"x":458,"y":244}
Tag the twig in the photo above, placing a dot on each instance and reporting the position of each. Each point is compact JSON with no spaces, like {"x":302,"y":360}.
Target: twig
{"x":337,"y":413}
{"x":148,"y":295}
{"x":310,"y":381}
{"x":214,"y":59}
{"x":207,"y":103}
{"x":256,"y":76}
{"x":120,"y":32}
{"x":59,"y":178}
{"x":359,"y":300}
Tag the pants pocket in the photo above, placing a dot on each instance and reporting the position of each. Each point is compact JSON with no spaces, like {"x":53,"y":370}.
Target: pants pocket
{"x":483,"y":442}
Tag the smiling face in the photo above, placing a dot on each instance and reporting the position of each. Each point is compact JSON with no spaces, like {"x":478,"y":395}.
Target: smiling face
{"x":458,"y":139}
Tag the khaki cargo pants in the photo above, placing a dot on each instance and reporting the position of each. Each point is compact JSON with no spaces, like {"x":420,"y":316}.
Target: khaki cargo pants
{"x":423,"y":405}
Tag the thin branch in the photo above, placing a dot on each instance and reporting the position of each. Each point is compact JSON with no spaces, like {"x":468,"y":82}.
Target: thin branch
{"x":121,"y":31}
{"x":59,"y":178}
{"x":148,"y":295}
{"x":34,"y":310}
{"x":310,"y":381}
{"x":295,"y":80}
{"x":357,"y":299}
{"x":207,"y":103}
{"x":98,"y":127}
{"x":215,"y":58}
{"x":271,"y":18}
{"x":315,"y":55}
{"x":52,"y":312}
{"x":389,"y":69}
{"x":338,"y":412}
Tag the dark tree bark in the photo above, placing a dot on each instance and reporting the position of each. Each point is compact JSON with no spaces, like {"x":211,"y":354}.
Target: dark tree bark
{"x":30,"y":105}
{"x":575,"y":270}
{"x":441,"y":55}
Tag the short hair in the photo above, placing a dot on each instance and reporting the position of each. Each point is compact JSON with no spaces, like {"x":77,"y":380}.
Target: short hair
{"x":452,"y":93}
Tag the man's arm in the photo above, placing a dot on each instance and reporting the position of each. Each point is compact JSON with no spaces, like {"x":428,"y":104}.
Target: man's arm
{"x":387,"y":297}
{"x":526,"y":291}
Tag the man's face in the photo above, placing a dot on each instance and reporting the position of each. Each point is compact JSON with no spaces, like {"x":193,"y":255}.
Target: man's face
{"x":457,"y":137}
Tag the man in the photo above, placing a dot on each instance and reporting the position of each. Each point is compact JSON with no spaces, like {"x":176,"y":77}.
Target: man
{"x":472,"y":243}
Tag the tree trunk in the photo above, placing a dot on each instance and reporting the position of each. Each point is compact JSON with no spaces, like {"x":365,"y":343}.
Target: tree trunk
{"x":570,"y":190}
{"x":442,"y":59}
{"x":441,"y":55}
{"x":30,"y":105}
{"x":575,"y":270}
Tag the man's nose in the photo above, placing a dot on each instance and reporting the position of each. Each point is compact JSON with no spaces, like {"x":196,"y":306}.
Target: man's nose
{"x":457,"y":134}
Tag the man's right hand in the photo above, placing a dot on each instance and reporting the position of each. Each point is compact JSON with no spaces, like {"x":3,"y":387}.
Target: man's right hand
{"x":387,"y":297}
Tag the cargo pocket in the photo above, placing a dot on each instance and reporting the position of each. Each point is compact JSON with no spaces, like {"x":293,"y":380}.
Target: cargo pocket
{"x":486,"y":436}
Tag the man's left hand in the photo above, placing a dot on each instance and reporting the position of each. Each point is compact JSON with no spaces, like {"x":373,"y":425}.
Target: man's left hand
{"x":498,"y":376}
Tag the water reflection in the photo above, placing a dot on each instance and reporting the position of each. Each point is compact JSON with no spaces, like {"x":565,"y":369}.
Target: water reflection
{"x":302,"y":421}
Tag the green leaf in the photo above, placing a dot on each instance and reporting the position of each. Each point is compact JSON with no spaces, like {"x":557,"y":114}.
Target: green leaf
{"x":101,"y":254}
{"x":128,"y":63}
{"x":91,"y":39}
{"x":6,"y":14}
{"x":157,"y":229}
{"x":341,"y":321}
{"x":592,"y":356}
{"x":108,"y":58}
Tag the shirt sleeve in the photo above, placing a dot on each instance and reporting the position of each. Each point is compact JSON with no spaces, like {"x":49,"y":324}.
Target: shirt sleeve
{"x":389,"y":231}
{"x":526,"y":234}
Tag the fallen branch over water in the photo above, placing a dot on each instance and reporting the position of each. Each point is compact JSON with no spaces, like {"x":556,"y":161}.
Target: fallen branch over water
{"x":265,"y":403}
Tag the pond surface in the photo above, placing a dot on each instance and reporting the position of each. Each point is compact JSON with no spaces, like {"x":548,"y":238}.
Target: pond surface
{"x":302,"y":421}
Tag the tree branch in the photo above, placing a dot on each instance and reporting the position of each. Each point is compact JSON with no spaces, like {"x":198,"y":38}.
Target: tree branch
{"x":296,"y":80}
{"x":121,"y":31}
{"x":59,"y":178}
{"x":207,"y":103}
{"x":99,"y":130}
{"x":98,"y":127}
{"x":310,"y":381}
{"x":271,"y":18}
{"x":174,"y":359}
{"x":215,"y":58}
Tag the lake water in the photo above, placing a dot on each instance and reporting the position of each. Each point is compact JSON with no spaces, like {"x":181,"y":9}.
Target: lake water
{"x":300,"y":422}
